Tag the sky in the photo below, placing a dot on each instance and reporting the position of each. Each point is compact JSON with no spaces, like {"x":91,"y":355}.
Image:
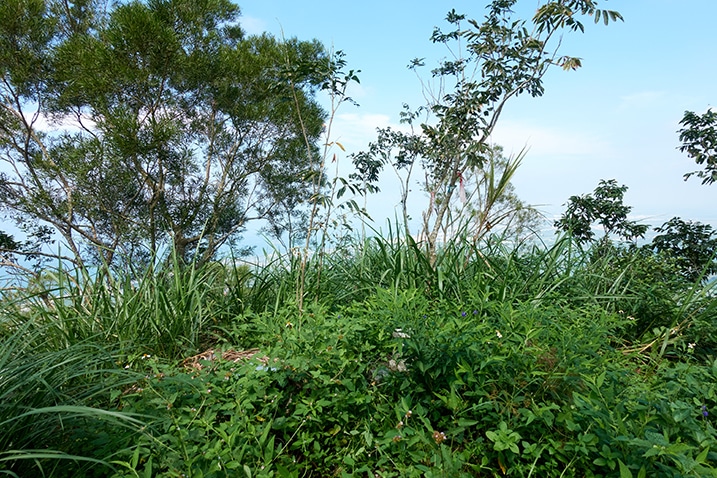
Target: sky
{"x":615,"y":118}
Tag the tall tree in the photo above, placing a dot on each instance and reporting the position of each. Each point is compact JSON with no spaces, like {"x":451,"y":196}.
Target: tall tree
{"x":494,"y":60}
{"x":135,"y":126}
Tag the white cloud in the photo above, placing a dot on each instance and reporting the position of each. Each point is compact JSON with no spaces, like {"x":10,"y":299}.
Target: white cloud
{"x":546,"y":141}
{"x":357,"y":91}
{"x":252,"y":25}
{"x":60,"y":123}
{"x":354,"y":131}
{"x":551,"y":150}
{"x":641,"y":100}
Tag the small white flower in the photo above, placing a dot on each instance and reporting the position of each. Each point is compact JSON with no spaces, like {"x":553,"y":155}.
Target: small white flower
{"x":400,"y":334}
{"x":691,"y":345}
{"x":498,"y":334}
{"x":397,"y":366}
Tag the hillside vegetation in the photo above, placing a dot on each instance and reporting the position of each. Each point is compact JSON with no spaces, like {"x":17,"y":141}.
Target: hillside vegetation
{"x":532,"y":361}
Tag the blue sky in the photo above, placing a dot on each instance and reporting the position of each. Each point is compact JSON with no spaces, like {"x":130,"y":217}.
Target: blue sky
{"x":616,"y":117}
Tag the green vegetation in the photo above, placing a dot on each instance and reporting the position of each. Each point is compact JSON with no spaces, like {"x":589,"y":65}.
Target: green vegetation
{"x":533,"y":361}
{"x":699,"y":141}
{"x":173,"y":127}
{"x":605,"y":207}
{"x":489,"y":63}
{"x":392,"y":356}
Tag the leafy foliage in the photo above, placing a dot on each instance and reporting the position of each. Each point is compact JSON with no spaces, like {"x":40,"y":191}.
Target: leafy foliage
{"x":50,"y":395}
{"x":168,"y":125}
{"x":7,"y":244}
{"x":486,"y":361}
{"x":603,"y":206}
{"x":699,"y":141}
{"x":376,"y":359}
{"x":493,"y":61}
{"x":692,"y":244}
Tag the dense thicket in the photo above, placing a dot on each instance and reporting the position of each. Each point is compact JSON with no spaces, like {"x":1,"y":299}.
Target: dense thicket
{"x":487,"y":362}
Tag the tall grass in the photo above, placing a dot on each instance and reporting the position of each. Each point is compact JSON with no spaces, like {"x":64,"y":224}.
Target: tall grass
{"x":168,"y":311}
{"x":48,"y":396}
{"x":174,"y":310}
{"x":495,"y":342}
{"x":526,"y":271}
{"x":69,"y":344}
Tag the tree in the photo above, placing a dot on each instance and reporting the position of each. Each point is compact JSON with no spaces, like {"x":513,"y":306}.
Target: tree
{"x":168,"y":125}
{"x":494,"y":61}
{"x":604,"y":207}
{"x":693,"y":246}
{"x":699,"y":141}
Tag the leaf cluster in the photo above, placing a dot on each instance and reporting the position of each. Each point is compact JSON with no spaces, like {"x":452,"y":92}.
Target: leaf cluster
{"x":699,"y":140}
{"x":492,"y":61}
{"x":604,"y":206}
{"x":486,"y":361}
{"x":692,"y":244}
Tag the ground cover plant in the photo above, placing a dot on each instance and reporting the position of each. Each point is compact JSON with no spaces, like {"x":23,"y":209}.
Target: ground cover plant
{"x":148,"y":346}
{"x":490,"y":362}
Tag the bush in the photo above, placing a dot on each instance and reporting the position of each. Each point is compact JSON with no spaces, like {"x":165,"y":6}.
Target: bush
{"x":493,"y":362}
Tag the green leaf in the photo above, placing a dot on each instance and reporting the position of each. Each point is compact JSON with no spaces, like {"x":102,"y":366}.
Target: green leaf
{"x":702,"y":457}
{"x":265,"y":433}
{"x":135,"y":457}
{"x":624,"y":470}
{"x":600,"y":380}
{"x":269,"y":450}
{"x":148,"y":468}
{"x":464,"y":422}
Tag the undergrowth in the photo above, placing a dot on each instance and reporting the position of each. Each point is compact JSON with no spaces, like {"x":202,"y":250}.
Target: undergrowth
{"x":488,"y":361}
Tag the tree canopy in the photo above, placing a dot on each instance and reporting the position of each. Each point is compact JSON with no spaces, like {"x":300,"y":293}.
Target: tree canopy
{"x":135,"y":126}
{"x":692,"y":244}
{"x":605,"y":207}
{"x":699,"y":141}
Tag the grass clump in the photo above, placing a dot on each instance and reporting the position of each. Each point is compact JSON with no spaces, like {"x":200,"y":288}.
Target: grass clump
{"x":533,"y":361}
